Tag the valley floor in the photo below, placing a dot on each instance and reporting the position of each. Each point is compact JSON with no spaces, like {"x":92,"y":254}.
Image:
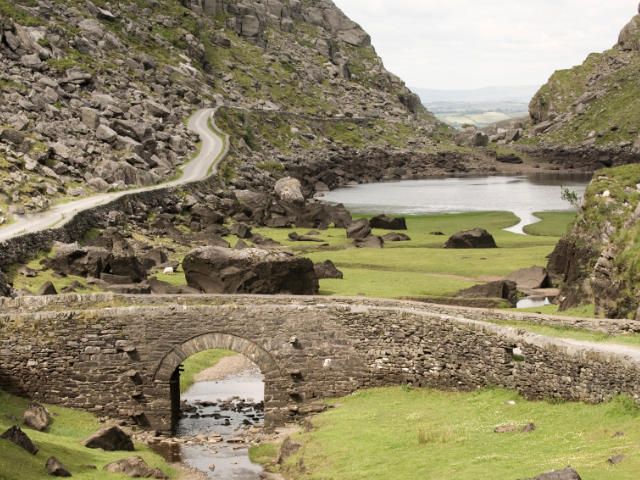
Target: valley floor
{"x":404,"y":434}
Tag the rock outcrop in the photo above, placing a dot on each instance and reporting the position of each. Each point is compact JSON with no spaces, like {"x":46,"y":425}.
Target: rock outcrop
{"x":250,"y":270}
{"x":595,"y":262}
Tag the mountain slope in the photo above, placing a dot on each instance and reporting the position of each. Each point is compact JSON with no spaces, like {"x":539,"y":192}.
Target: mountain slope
{"x":94,"y":94}
{"x":594,"y":108}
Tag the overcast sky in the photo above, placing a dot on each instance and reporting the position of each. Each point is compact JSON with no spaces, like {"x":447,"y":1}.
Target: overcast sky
{"x":460,"y":44}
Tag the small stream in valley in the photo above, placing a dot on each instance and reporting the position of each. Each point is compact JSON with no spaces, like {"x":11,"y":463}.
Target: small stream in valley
{"x":217,"y":416}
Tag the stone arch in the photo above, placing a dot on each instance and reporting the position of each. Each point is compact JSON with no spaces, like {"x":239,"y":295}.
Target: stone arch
{"x":167,"y":392}
{"x":208,"y":341}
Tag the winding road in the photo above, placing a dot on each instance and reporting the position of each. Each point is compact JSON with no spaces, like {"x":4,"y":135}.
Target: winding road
{"x":214,"y":148}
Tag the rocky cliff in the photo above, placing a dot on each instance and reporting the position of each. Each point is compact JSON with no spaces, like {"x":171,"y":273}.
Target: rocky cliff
{"x":93,"y":95}
{"x":598,"y":262}
{"x":591,"y":113}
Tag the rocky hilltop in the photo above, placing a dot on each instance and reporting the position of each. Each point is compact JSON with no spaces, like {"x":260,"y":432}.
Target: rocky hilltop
{"x":590,"y":114}
{"x":94,"y":95}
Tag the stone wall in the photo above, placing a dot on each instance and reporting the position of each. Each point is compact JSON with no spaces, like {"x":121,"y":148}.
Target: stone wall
{"x":117,"y":360}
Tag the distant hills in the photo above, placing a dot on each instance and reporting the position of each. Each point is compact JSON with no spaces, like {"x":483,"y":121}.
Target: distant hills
{"x":479,"y":107}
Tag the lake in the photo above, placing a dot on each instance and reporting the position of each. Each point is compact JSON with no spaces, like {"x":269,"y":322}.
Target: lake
{"x":522,"y":195}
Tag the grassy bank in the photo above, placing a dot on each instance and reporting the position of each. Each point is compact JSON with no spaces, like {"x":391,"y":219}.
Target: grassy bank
{"x":404,"y":434}
{"x":64,"y":441}
{"x":551,"y":224}
{"x":199,"y":362}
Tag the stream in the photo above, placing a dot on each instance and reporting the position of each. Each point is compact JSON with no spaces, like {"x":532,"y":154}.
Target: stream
{"x":216,"y":417}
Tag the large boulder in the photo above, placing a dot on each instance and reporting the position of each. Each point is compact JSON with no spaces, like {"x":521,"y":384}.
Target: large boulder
{"x":250,"y":270}
{"x":566,"y":474}
{"x":476,"y":238}
{"x":388,"y":223}
{"x":110,"y":439}
{"x":71,"y":259}
{"x":37,"y":417}
{"x":17,"y":436}
{"x":531,"y":278}
{"x":504,"y":289}
{"x":359,"y":230}
{"x":134,"y":467}
{"x":289,"y":190}
{"x":327,"y":269}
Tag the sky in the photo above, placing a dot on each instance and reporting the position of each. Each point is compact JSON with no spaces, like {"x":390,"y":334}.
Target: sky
{"x":467,"y":44}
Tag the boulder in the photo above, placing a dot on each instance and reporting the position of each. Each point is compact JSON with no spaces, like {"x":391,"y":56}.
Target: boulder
{"x":566,"y":474}
{"x":388,"y":223}
{"x":47,"y":288}
{"x":250,"y":270}
{"x":289,"y":190}
{"x":241,"y":230}
{"x":71,"y":259}
{"x":36,"y":417}
{"x":396,"y":237}
{"x":110,"y":439}
{"x":288,"y":448}
{"x":154,"y":258}
{"x":359,"y":230}
{"x":630,"y":35}
{"x":158,"y":287}
{"x":5,"y":287}
{"x":296,"y":237}
{"x":327,"y":269}
{"x":504,"y":289}
{"x":476,"y":238}
{"x":134,"y":467}
{"x":531,"y":278}
{"x":370,"y":242}
{"x":55,"y":468}
{"x":17,"y":436}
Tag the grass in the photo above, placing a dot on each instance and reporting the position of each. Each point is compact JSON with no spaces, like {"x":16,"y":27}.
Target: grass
{"x":199,"y":362}
{"x":552,"y":224}
{"x":404,"y":434}
{"x":581,"y":311}
{"x":573,"y":333}
{"x":422,"y":266}
{"x":63,"y":441}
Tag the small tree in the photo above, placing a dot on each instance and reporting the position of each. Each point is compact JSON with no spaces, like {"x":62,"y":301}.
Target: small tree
{"x":570,"y":196}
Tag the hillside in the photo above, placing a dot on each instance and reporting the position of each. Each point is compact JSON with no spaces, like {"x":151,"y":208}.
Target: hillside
{"x":598,"y":261}
{"x":94,"y":95}
{"x":592,"y":110}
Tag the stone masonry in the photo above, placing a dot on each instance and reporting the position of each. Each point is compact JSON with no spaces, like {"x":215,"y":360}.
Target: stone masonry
{"x":115,"y":355}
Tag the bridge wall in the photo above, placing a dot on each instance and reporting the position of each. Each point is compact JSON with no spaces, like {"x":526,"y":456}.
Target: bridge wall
{"x":117,"y":361}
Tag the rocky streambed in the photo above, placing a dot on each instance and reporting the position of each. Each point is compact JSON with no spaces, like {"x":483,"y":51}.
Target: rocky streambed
{"x":220,"y":419}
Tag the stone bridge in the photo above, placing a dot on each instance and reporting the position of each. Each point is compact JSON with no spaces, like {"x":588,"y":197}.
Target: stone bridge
{"x":118,"y":355}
